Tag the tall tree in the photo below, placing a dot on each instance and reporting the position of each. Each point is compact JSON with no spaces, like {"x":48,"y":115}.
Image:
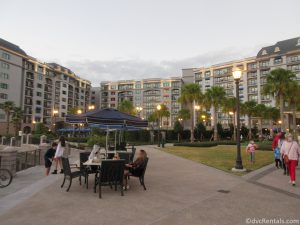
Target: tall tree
{"x":8,"y":108}
{"x":293,"y":99}
{"x":230,"y":106}
{"x":183,"y":114}
{"x":278,"y":83}
{"x":127,"y":106}
{"x":17,"y":117}
{"x":214,"y":98}
{"x":191,"y":93}
{"x":178,"y":129}
{"x":260,"y":112}
{"x":248,"y":108}
{"x":272,"y":114}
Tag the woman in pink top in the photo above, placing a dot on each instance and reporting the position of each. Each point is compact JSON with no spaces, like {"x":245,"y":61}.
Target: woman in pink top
{"x":291,"y":149}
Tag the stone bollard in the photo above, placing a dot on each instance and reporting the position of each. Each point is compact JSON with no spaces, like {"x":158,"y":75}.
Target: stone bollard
{"x":43,"y":148}
{"x":9,"y":159}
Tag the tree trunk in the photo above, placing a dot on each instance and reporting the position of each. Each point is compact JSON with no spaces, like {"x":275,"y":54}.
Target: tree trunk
{"x":294,"y":124}
{"x":178,"y":137}
{"x":7,"y":123}
{"x":215,"y":125}
{"x":281,"y":105}
{"x":192,"y":124}
{"x":250,"y":126}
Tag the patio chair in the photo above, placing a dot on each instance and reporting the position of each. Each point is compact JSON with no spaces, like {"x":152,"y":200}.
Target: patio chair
{"x":69,"y":174}
{"x":83,"y":157}
{"x":125,"y":156}
{"x":111,"y":174}
{"x":141,"y":177}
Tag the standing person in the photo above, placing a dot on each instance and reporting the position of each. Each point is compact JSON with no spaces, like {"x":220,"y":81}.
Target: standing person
{"x":291,"y":152}
{"x":251,"y":150}
{"x":48,"y":157}
{"x":277,"y":153}
{"x":275,"y":148}
{"x":59,"y":153}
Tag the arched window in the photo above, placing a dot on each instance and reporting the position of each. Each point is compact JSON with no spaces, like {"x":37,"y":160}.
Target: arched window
{"x":277,"y":49}
{"x":298,"y":42}
{"x":264,"y":52}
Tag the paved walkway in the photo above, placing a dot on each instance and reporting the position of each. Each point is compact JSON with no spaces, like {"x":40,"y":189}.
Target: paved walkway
{"x":180,"y":192}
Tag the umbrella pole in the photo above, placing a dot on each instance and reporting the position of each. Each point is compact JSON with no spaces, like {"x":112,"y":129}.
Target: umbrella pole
{"x":106,"y":144}
{"x":116,"y":141}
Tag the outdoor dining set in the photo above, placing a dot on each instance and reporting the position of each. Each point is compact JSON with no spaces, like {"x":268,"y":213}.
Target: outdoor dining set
{"x":106,"y":168}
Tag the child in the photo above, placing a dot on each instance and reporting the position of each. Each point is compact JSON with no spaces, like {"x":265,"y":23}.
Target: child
{"x":251,"y":150}
{"x":277,"y":157}
{"x":49,"y":155}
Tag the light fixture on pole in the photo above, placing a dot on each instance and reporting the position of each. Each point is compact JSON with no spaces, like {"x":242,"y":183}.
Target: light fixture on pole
{"x":158,"y":107}
{"x":79,"y":111}
{"x":139,"y":110}
{"x":91,"y":107}
{"x":55,"y":113}
{"x":237,"y":74}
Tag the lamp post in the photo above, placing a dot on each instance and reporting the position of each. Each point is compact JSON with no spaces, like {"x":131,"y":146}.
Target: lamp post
{"x":197,"y":108}
{"x":55,"y":113}
{"x":158,"y":107}
{"x":233,"y":123}
{"x":34,"y":122}
{"x":139,"y":110}
{"x":237,"y":74}
{"x":91,"y":107}
{"x":79,"y":111}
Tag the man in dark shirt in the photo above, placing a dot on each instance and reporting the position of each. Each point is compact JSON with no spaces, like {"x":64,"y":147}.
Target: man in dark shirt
{"x":49,"y":157}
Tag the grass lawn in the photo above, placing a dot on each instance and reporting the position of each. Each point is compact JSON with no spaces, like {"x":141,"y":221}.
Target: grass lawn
{"x":222,"y":157}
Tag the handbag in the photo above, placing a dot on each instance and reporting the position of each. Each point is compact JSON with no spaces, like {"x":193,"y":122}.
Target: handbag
{"x":286,"y":157}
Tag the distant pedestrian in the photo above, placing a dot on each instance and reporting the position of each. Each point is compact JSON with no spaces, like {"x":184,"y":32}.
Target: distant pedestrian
{"x":291,"y":152}
{"x":59,"y":153}
{"x":276,"y":150}
{"x":48,"y":157}
{"x":251,"y":150}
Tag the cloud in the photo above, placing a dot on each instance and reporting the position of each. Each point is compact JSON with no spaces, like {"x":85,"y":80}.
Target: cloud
{"x":135,"y":69}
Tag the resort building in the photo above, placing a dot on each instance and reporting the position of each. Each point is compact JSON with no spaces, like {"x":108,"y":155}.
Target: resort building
{"x":147,"y":94}
{"x":45,"y":91}
{"x":284,"y":54}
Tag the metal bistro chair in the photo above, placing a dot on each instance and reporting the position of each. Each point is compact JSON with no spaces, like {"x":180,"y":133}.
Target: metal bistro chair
{"x":68,"y":174}
{"x":86,"y":171}
{"x":111,"y":174}
{"x":141,"y":177}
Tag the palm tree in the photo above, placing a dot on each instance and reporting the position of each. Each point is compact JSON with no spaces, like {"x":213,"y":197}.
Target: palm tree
{"x":17,"y":118}
{"x":214,"y":98}
{"x":191,"y":93}
{"x":260,"y":112}
{"x":183,"y":114}
{"x":230,"y":106}
{"x":127,"y":106}
{"x":278,"y":83}
{"x":294,"y":102}
{"x":248,"y":108}
{"x":7,"y":107}
{"x":163,"y":113}
{"x":272,"y":114}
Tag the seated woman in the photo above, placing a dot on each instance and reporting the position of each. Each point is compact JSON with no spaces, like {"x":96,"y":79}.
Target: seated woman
{"x":136,"y":168}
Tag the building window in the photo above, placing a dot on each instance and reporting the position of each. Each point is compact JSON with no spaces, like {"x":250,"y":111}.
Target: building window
{"x":5,"y":65}
{"x":264,"y":52}
{"x":4,"y":76}
{"x":166,"y":84}
{"x":63,"y":106}
{"x":64,"y":92}
{"x":40,"y":69}
{"x":40,"y":76}
{"x":38,"y":102}
{"x":3,"y":96}
{"x":278,"y":60}
{"x":38,"y":110}
{"x":39,"y":94}
{"x":5,"y":56}
{"x":3,"y":85}
{"x":298,"y":42}
{"x":64,"y":85}
{"x":138,"y":86}
{"x":64,"y":99}
{"x":39,"y":86}
{"x":277,"y":49}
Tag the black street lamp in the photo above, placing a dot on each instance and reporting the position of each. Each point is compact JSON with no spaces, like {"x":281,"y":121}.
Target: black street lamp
{"x":158,"y":112}
{"x":237,"y":74}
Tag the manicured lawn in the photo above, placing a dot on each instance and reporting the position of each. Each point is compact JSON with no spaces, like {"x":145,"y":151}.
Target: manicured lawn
{"x":222,"y":157}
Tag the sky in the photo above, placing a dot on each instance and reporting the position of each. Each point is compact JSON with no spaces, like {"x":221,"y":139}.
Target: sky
{"x":135,"y":39}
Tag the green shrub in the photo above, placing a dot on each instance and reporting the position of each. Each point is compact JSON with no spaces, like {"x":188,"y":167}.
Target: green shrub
{"x":77,"y":139}
{"x":96,"y":140}
{"x":265,"y":147}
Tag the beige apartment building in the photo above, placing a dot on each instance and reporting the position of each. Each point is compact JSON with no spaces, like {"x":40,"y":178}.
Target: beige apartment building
{"x":147,"y":94}
{"x":284,"y":54}
{"x":45,"y":91}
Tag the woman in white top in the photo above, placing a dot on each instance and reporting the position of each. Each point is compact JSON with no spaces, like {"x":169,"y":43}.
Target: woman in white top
{"x":291,"y":149}
{"x":59,"y":153}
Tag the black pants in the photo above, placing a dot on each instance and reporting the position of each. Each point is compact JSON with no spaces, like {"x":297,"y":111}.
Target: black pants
{"x":278,"y":163}
{"x":285,"y":167}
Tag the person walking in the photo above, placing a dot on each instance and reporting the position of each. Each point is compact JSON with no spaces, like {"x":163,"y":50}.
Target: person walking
{"x":251,"y":147}
{"x":291,"y":152}
{"x":59,"y":153}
